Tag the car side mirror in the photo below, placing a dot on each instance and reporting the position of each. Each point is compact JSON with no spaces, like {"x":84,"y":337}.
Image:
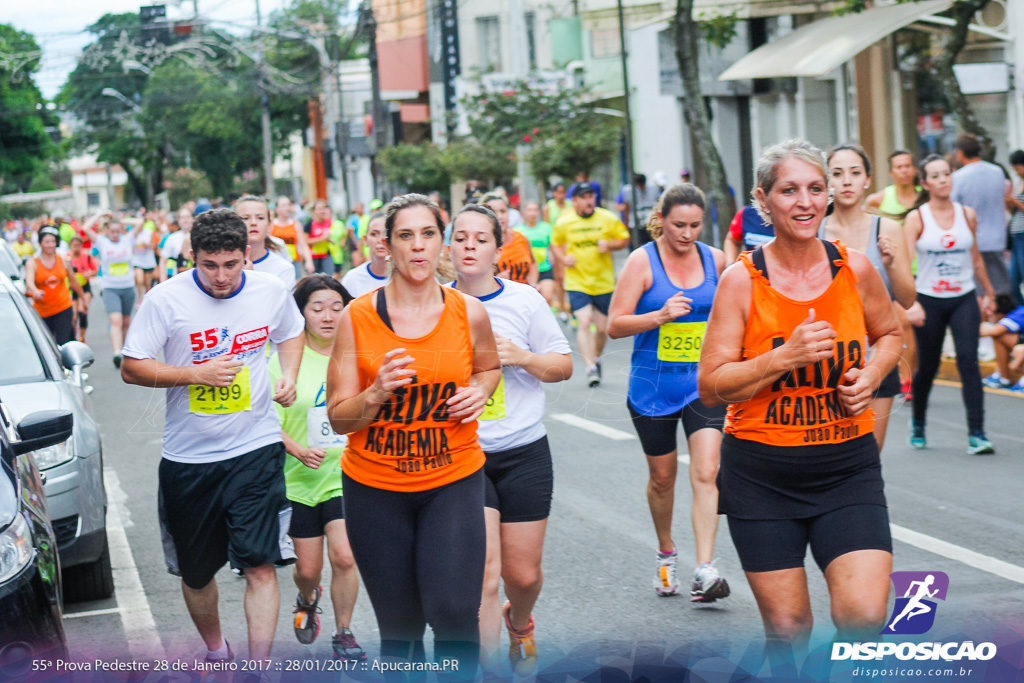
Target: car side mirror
{"x":76,"y":354}
{"x":41,"y":429}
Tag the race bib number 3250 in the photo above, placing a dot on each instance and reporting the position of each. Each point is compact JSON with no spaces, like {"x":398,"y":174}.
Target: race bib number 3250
{"x":681,"y":342}
{"x":221,"y":400}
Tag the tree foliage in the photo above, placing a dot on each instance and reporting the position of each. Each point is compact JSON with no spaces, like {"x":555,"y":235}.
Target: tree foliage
{"x":25,"y":144}
{"x":415,"y":168}
{"x":564,"y":129}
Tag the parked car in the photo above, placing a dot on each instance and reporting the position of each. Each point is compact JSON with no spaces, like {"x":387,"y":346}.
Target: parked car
{"x":11,"y":265}
{"x":37,"y":375}
{"x":31,"y":609}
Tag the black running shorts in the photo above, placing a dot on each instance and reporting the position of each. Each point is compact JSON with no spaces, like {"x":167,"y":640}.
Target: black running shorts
{"x":658,"y":433}
{"x":518,"y":482}
{"x":234,"y":510}
{"x":890,"y":385}
{"x":766,"y":545}
{"x":310,"y":521}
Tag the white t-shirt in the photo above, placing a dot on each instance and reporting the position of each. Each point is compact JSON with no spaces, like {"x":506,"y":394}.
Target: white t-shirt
{"x":515,"y":412}
{"x":189,"y":326}
{"x":278,"y":266}
{"x":115,"y":262}
{"x":361,"y":280}
{"x":144,"y":256}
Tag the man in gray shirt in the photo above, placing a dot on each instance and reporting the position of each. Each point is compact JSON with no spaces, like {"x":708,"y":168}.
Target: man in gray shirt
{"x":982,"y":186}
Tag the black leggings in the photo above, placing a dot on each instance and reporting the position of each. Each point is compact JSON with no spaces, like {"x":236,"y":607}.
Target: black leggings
{"x":421,"y":556}
{"x":62,"y":325}
{"x":963,"y":317}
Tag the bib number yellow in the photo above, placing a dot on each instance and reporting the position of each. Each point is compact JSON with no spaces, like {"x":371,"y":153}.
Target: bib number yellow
{"x":221,"y":400}
{"x":119,"y":268}
{"x":494,"y":409}
{"x":681,"y":342}
{"x":318,"y":430}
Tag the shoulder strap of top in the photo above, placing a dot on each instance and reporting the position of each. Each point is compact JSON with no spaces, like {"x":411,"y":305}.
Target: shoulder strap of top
{"x":836,"y":259}
{"x":821,"y":228}
{"x":708,"y":259}
{"x":382,"y":308}
{"x":876,"y":222}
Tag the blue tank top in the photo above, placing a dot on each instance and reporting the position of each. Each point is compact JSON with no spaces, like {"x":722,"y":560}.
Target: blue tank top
{"x":663,"y":373}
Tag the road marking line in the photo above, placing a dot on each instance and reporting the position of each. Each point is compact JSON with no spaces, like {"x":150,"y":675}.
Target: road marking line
{"x":594,"y":427}
{"x":684,"y":458}
{"x":136,"y":616}
{"x":94,"y":613}
{"x":954,"y":552}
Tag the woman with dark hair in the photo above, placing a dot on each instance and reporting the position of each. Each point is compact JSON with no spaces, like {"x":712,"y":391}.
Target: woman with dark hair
{"x":85,"y":268}
{"x":949,"y":271}
{"x":662,"y":300}
{"x":312,"y":474}
{"x":800,"y":464}
{"x":880,"y":239}
{"x":412,"y":368}
{"x":47,"y":278}
{"x":518,"y":472}
{"x":517,"y":262}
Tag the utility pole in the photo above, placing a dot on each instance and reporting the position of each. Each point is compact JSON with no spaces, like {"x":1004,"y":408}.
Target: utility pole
{"x":635,"y":237}
{"x":380,"y":137}
{"x":331,"y":118}
{"x":268,"y":143}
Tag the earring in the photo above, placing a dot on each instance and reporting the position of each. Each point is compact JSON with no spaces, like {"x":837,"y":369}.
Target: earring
{"x":866,"y":186}
{"x":766,"y":211}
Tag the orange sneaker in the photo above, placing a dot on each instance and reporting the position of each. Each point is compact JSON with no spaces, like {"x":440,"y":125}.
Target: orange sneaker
{"x":522,"y":648}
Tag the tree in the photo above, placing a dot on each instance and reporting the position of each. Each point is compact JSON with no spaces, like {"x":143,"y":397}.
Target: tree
{"x":566,"y":132}
{"x":108,"y":125}
{"x":25,"y":144}
{"x":962,"y":12}
{"x":687,"y":37}
{"x":415,"y":168}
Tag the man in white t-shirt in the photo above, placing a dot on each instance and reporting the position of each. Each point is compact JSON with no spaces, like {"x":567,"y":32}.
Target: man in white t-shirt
{"x":222,"y":474}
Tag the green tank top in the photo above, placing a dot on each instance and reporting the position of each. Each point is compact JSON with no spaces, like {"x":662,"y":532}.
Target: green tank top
{"x":540,"y":239}
{"x":891,"y":205}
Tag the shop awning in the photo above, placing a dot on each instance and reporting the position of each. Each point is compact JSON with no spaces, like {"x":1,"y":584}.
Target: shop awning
{"x":819,"y":47}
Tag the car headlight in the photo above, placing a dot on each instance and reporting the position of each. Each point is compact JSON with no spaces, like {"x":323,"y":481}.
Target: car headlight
{"x":15,"y":548}
{"x":51,"y":456}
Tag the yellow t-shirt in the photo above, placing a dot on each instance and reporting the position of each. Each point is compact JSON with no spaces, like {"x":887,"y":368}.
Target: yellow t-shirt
{"x":593,"y":273}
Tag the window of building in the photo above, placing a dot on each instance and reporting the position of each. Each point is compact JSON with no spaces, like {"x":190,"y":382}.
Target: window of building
{"x":92,"y":199}
{"x":488,"y":37}
{"x":604,"y":43}
{"x":531,"y":38}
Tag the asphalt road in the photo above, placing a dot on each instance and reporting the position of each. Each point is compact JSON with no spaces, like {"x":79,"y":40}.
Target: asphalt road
{"x":951,"y":512}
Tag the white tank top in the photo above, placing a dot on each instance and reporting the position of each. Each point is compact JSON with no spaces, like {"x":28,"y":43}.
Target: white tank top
{"x":944,"y":266}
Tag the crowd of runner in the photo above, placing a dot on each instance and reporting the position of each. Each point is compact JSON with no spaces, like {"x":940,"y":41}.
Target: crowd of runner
{"x":374,"y":385}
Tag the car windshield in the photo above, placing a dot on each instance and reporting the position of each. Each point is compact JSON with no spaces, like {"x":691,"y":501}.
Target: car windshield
{"x":8,"y":266}
{"x":21,"y":361}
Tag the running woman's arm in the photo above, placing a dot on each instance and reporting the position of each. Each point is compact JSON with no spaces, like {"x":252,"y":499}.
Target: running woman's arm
{"x":468,"y":403}
{"x":884,"y":336}
{"x":988,"y":302}
{"x":875,"y":200}
{"x":87,"y":227}
{"x":912,"y":227}
{"x":634,"y":280}
{"x":310,"y":457}
{"x":547,"y":367}
{"x":893,"y":247}
{"x":349,"y":406}
{"x":289,"y":352}
{"x":723,"y":375}
{"x":303,"y":248}
{"x":30,"y":280}
{"x":533,"y":274}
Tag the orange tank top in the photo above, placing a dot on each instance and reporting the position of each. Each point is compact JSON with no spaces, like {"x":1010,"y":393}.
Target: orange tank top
{"x":516,"y":257}
{"x":53,"y":284}
{"x":413,"y":445}
{"x":287,"y":234}
{"x":802,"y":407}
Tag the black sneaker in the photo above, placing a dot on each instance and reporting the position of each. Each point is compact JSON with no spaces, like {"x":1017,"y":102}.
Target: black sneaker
{"x":593,"y":376}
{"x":117,"y":361}
{"x":597,"y":364}
{"x":307,"y":618}
{"x":345,"y":646}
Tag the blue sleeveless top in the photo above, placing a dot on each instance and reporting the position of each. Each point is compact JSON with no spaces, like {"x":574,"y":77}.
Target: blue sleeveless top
{"x":663,"y":374}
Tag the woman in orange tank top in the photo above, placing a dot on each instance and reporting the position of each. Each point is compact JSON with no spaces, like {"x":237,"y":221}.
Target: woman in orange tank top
{"x":412,"y":368}
{"x":516,"y":262}
{"x":286,"y":228}
{"x":47,"y":284}
{"x":786,"y":349}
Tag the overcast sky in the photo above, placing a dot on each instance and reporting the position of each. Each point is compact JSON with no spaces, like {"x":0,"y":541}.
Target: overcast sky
{"x":60,"y":28}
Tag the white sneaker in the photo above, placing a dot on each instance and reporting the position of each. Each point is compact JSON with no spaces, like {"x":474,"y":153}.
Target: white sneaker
{"x":708,"y":586}
{"x":665,"y":582}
